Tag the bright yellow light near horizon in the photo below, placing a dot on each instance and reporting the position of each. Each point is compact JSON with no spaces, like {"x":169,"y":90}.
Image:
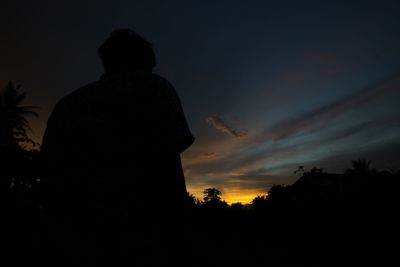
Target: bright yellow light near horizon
{"x":245,"y":198}
{"x":230,"y":196}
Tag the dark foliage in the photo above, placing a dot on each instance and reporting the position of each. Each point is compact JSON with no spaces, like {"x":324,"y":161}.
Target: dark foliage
{"x":320,"y":220}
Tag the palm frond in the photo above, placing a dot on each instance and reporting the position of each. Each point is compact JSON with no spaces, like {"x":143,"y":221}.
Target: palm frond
{"x":13,"y":116}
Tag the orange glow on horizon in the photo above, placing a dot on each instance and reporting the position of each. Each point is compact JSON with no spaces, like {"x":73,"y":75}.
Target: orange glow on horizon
{"x":245,"y":198}
{"x":230,"y":196}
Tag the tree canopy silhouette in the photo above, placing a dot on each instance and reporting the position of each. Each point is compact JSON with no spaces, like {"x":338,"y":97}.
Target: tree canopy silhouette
{"x":18,"y":190}
{"x":212,"y":198}
{"x":14,"y":137}
{"x":360,"y":167}
{"x":13,"y":116}
{"x":212,"y":195}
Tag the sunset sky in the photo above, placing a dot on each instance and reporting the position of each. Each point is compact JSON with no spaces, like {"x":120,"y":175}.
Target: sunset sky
{"x":266,"y":85}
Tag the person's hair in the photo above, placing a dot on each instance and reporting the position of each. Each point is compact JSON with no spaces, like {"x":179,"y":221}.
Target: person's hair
{"x":127,"y":50}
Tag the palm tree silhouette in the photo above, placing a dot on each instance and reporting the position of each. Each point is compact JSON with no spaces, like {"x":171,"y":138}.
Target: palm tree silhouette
{"x":13,"y":117}
{"x":360,"y":167}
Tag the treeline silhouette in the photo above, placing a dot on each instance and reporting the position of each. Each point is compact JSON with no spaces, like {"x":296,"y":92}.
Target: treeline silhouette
{"x":321,"y":219}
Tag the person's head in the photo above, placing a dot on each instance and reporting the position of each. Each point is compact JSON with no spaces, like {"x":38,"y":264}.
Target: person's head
{"x":126,"y":50}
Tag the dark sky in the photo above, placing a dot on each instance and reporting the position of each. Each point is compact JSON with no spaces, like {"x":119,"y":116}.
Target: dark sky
{"x":266,"y":85}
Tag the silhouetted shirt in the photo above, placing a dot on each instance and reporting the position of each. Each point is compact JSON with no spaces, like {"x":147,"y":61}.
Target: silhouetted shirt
{"x":114,"y":147}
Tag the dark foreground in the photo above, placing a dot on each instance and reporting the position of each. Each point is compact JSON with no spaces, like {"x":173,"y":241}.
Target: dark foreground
{"x":303,"y":225}
{"x":231,"y":240}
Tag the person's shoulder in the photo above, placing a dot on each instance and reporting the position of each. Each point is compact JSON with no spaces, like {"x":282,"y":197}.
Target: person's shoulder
{"x":162,"y":86}
{"x":84,"y":90}
{"x":160,"y":79}
{"x":151,"y":84}
{"x":149,"y":78}
{"x":76,"y":96}
{"x":163,"y":82}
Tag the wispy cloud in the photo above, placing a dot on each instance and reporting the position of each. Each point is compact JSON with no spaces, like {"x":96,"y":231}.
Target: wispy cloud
{"x":253,"y":166}
{"x":279,"y":156}
{"x":321,"y":116}
{"x":221,"y":126}
{"x":282,"y":151}
{"x":209,"y":155}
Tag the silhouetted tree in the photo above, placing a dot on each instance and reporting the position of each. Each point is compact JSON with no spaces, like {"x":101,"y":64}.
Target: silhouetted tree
{"x":278,"y":196}
{"x":17,"y":170}
{"x":316,"y":170}
{"x":237,"y":206}
{"x":360,"y":167}
{"x":300,"y":169}
{"x":259,"y":203}
{"x":192,"y":200}
{"x":212,"y":198}
{"x":18,"y":163}
{"x":212,"y":194}
{"x":13,"y":116}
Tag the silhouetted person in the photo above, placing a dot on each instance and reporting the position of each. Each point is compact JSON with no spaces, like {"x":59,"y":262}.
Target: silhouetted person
{"x":111,"y":159}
